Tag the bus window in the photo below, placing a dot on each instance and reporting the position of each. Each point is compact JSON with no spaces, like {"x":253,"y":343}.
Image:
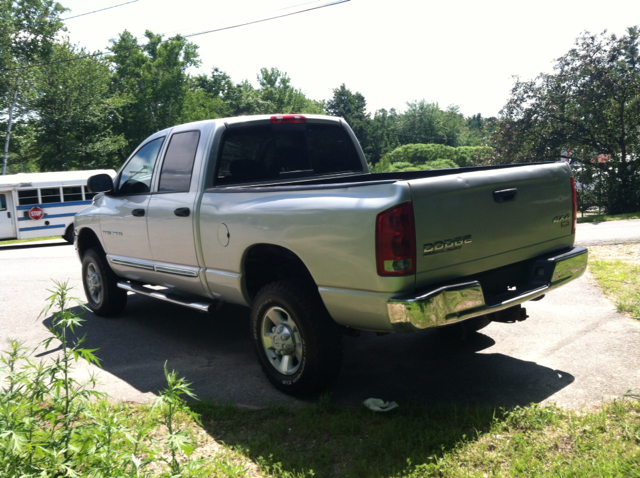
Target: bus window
{"x":87,"y":195}
{"x":50,"y":195}
{"x":3,"y":202}
{"x":27,"y":197}
{"x":73,"y":193}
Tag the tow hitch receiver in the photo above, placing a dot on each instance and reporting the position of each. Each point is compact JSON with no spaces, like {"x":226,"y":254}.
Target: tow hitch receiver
{"x":509,"y":316}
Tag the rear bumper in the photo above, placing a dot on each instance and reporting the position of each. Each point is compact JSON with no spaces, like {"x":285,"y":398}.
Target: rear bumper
{"x":456,"y":302}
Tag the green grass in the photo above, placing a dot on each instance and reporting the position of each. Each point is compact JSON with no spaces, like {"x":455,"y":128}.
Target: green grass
{"x":20,"y":241}
{"x":420,"y":441}
{"x":605,"y":217}
{"x":621,"y":282}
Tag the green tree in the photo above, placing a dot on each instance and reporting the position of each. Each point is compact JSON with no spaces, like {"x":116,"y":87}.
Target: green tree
{"x":278,"y":96}
{"x":75,"y":113}
{"x":352,"y":107}
{"x":480,"y":130}
{"x":217,"y":96}
{"x":27,"y":33}
{"x":426,"y":123}
{"x":244,"y":99}
{"x":589,"y":105}
{"x":23,"y":157}
{"x":154,"y":80}
{"x":205,"y":97}
{"x":219,"y":84}
{"x":381,"y":135}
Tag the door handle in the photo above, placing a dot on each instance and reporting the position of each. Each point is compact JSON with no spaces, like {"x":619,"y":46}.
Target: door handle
{"x":9,"y":215}
{"x":505,"y":195}
{"x":182,"y":212}
{"x":138,"y":212}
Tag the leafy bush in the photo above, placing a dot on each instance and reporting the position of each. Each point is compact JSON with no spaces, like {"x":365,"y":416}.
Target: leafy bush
{"x":413,"y":157}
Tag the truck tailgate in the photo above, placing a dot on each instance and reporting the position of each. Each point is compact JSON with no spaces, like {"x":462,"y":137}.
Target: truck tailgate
{"x":471,"y":222}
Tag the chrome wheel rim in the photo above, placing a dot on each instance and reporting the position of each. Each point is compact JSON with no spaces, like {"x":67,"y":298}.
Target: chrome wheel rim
{"x":94,"y":284}
{"x":281,"y":341}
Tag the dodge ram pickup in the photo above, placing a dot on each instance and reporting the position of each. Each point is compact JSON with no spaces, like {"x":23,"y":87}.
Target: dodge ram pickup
{"x":281,"y":214}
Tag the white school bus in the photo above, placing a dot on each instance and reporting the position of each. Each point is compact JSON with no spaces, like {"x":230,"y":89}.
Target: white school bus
{"x":43,"y":204}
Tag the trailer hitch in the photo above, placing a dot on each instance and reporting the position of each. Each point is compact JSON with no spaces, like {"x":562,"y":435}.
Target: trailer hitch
{"x":513,"y":314}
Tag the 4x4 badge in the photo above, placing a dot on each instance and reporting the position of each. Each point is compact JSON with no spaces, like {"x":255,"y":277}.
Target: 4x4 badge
{"x":562,"y":217}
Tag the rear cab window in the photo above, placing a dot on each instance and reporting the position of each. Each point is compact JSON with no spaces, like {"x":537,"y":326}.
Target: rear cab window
{"x":177,"y":167}
{"x":285,"y":151}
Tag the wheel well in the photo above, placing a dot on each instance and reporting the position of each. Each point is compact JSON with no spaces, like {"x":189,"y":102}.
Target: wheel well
{"x":86,"y":240}
{"x":266,"y":263}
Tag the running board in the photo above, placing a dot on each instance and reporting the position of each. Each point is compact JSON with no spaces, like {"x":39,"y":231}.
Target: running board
{"x":166,"y":296}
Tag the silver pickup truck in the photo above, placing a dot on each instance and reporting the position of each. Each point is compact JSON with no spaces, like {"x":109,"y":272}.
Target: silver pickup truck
{"x":281,"y":214}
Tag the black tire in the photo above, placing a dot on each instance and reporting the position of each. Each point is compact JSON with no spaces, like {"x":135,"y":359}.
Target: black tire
{"x":462,"y":330}
{"x":69,"y":234}
{"x":104,"y":297}
{"x":298,"y":344}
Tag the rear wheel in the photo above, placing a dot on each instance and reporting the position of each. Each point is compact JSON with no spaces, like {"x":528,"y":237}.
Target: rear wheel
{"x":104,"y":297}
{"x":298,"y":344}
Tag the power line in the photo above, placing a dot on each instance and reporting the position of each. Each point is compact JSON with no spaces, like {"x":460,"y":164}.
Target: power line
{"x":330,"y":4}
{"x":93,"y":55}
{"x":101,"y":10}
{"x":289,"y":8}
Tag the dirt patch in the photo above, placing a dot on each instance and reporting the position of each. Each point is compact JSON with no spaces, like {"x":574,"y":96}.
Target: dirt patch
{"x":629,"y":253}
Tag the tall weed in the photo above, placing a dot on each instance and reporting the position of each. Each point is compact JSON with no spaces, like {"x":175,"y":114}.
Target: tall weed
{"x":53,"y":425}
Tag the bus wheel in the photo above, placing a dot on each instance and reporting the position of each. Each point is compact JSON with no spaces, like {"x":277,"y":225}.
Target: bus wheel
{"x":69,"y":234}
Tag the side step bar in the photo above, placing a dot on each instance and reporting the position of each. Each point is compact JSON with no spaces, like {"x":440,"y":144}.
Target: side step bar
{"x":167,"y":296}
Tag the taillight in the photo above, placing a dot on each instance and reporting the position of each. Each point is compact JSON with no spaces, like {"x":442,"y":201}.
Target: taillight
{"x":396,"y":241}
{"x":574,"y":199}
{"x":288,"y":119}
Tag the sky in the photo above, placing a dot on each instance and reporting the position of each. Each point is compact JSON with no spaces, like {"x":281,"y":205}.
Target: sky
{"x":455,"y":52}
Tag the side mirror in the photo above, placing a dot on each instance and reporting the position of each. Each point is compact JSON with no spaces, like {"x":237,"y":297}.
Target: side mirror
{"x":100,"y":183}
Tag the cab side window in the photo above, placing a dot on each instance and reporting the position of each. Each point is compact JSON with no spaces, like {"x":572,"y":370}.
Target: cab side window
{"x":137,"y":173}
{"x":178,"y":162}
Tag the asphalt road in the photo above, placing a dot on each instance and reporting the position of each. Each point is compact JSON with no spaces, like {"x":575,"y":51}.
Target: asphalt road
{"x":574,"y":349}
{"x":608,"y":232}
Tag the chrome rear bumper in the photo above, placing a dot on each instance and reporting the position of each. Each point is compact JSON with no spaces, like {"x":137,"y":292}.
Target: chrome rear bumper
{"x":456,"y":302}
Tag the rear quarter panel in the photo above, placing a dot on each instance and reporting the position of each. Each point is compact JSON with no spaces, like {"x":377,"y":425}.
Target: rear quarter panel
{"x":331,"y":230}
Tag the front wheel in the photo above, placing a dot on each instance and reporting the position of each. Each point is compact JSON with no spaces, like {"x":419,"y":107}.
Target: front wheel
{"x":100,"y":283}
{"x":298,"y":344}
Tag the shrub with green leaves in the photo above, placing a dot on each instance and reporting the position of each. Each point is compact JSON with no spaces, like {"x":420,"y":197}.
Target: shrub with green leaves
{"x":414,"y":157}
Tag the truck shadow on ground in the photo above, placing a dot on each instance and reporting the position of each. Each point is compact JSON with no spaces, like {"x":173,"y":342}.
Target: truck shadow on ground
{"x":419,"y":371}
{"x":214,"y":352}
